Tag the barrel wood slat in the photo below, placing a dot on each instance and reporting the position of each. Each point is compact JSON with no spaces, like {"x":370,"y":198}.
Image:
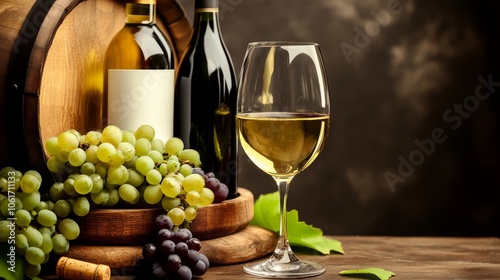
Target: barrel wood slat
{"x":51,"y":55}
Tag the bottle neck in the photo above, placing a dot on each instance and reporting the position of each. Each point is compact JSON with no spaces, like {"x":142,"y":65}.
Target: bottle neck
{"x":140,"y":12}
{"x":206,"y":13}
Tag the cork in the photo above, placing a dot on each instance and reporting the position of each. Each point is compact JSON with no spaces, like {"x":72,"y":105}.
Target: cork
{"x":73,"y":269}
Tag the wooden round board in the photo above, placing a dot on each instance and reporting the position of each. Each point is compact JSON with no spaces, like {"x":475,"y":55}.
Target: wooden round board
{"x":248,"y":244}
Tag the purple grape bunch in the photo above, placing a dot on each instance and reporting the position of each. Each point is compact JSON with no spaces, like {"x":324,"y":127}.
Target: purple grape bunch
{"x":174,"y":255}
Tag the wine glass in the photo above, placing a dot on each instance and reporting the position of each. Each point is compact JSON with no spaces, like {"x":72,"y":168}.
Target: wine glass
{"x":283,"y":118}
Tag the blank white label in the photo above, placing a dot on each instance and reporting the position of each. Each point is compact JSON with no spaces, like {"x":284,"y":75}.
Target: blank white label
{"x":137,"y":97}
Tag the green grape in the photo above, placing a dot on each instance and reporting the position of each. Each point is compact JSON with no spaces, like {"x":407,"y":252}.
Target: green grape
{"x":102,"y":169}
{"x":69,"y":187}
{"x":5,"y":229}
{"x":105,"y":151}
{"x":128,"y":136}
{"x":30,"y":182}
{"x":62,"y":208}
{"x":145,"y":131}
{"x":34,"y":236}
{"x":81,"y":206}
{"x":163,"y":169}
{"x":144,"y":164}
{"x":174,"y":157}
{"x":83,"y":184}
{"x":193,"y":182}
{"x":21,"y":241}
{"x":117,"y":175}
{"x":168,"y":203}
{"x":190,"y":156}
{"x":91,"y":154}
{"x":192,"y":198}
{"x":46,"y":218}
{"x":41,"y":206}
{"x":46,"y":244}
{"x":100,"y":198}
{"x":31,"y":270}
{"x":23,"y":217}
{"x":45,"y":230}
{"x":173,"y":166}
{"x":7,"y":171}
{"x":127,"y":149}
{"x":62,"y":156}
{"x":110,"y":186}
{"x":75,"y":132}
{"x":186,"y":170}
{"x":30,"y":200}
{"x":135,"y":178}
{"x":87,"y":168}
{"x":154,"y":177}
{"x":4,"y":206}
{"x":114,"y":198}
{"x":158,"y":145}
{"x":55,"y":165}
{"x":153,"y":194}
{"x":51,"y":146}
{"x":50,"y":205}
{"x":97,"y":183}
{"x":93,"y":138}
{"x":177,"y":216}
{"x":174,"y":146}
{"x":69,"y":228}
{"x":190,"y":213}
{"x":56,"y":191}
{"x":68,"y":141}
{"x":156,"y":156}
{"x":170,"y":187}
{"x":142,"y":147}
{"x":117,"y":158}
{"x":35,"y":173}
{"x":34,"y":255}
{"x":128,"y":193}
{"x":112,"y":134}
{"x":206,"y":197}
{"x":131,"y":163}
{"x":59,"y":244}
{"x":177,"y":176}
{"x":4,"y":184}
{"x":77,"y":157}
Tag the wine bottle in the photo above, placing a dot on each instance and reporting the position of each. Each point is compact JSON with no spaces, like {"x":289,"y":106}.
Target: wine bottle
{"x":139,"y":74}
{"x":205,"y":97}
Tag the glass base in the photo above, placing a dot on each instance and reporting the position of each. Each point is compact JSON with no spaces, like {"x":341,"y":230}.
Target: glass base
{"x":275,"y":269}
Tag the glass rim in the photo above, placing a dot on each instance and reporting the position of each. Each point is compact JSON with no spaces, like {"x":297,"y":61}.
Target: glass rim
{"x":281,"y":43}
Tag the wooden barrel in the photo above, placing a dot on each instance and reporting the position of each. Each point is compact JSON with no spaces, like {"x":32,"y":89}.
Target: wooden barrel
{"x":51,"y":64}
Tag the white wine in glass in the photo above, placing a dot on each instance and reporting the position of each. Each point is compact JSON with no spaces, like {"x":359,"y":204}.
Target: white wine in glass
{"x":283,"y":119}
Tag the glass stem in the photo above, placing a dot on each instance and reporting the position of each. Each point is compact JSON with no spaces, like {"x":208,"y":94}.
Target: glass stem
{"x":283,"y":252}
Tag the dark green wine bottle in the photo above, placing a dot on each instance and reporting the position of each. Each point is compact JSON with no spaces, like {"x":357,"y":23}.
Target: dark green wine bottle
{"x":205,"y":97}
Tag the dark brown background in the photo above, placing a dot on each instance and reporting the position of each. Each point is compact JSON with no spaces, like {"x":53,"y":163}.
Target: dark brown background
{"x":417,"y":61}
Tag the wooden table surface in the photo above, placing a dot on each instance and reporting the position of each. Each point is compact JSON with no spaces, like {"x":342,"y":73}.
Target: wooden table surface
{"x":409,"y":257}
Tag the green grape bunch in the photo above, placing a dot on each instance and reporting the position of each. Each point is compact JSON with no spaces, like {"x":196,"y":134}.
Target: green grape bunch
{"x":123,"y":168}
{"x":31,"y":225}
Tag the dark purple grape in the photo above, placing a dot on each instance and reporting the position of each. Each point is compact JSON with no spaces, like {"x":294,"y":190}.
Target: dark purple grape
{"x":210,"y":174}
{"x":194,"y":244}
{"x":159,"y":273}
{"x":181,"y":249}
{"x":163,"y":221}
{"x":149,"y":252}
{"x":204,"y":259}
{"x":167,"y":247}
{"x":198,"y":170}
{"x":188,"y":232}
{"x":173,"y":263}
{"x":184,"y":273}
{"x":164,"y":234}
{"x":213,"y":184}
{"x":221,"y":194}
{"x":199,"y":268}
{"x":179,"y":236}
{"x":192,"y":257}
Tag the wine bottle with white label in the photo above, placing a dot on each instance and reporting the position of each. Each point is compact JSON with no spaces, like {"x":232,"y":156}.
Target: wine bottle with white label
{"x":206,"y":97}
{"x":139,"y":73}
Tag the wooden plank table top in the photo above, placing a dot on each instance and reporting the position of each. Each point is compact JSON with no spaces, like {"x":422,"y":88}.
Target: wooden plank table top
{"x":409,"y":257}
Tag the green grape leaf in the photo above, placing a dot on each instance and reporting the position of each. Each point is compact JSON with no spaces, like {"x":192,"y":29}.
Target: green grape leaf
{"x":369,"y":273}
{"x":6,"y":266}
{"x":300,"y":234}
